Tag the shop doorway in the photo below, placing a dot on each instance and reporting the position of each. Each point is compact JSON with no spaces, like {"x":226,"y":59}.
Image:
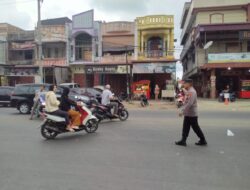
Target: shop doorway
{"x":159,"y":79}
{"x":232,"y":81}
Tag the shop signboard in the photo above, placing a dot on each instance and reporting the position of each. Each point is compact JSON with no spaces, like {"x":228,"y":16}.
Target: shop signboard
{"x":107,"y":69}
{"x":21,"y":71}
{"x":154,"y":68}
{"x":228,"y":57}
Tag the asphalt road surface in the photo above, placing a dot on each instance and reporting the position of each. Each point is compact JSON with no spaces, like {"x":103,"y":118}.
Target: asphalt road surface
{"x":138,"y":154}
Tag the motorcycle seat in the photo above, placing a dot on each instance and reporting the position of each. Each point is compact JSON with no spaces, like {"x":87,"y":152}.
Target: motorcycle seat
{"x":55,"y":118}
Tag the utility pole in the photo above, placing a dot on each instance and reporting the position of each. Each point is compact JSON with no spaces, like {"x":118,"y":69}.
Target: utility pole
{"x":39,"y":41}
{"x":127,"y":74}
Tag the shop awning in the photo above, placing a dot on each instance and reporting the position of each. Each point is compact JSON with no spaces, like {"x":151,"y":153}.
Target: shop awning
{"x":225,"y":65}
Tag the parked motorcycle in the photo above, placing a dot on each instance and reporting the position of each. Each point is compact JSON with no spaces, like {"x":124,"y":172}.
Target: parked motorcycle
{"x":55,"y":125}
{"x":232,"y":97}
{"x":105,"y":112}
{"x":144,"y":100}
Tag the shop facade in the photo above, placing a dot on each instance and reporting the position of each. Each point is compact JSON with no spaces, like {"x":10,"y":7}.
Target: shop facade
{"x":157,"y":73}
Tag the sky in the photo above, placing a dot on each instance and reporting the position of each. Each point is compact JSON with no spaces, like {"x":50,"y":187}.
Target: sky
{"x":23,"y":13}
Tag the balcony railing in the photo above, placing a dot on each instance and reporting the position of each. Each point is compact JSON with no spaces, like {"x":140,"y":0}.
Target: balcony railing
{"x":22,"y":62}
{"x":115,"y":58}
{"x":229,"y":57}
{"x":54,"y":62}
{"x":156,"y":54}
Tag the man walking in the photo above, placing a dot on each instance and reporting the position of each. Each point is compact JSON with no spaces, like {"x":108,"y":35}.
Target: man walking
{"x":190,"y":113}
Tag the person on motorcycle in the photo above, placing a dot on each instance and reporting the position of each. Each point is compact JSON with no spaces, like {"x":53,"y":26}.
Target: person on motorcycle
{"x":52,"y":107}
{"x":36,"y":100}
{"x":107,"y":96}
{"x":66,"y":105}
{"x":144,"y":99}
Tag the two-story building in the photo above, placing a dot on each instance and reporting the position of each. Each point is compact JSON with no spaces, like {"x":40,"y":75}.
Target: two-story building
{"x":55,"y":36}
{"x":17,"y":55}
{"x":114,"y":66}
{"x":216,"y":40}
{"x":154,"y":50}
{"x":86,"y":47}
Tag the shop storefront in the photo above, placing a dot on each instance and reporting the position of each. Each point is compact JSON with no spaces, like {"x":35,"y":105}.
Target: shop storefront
{"x":22,"y":75}
{"x":156,"y":73}
{"x":227,"y":69}
{"x":115,"y":75}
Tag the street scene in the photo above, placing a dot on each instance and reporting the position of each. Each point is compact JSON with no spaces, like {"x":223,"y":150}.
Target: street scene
{"x":141,"y":95}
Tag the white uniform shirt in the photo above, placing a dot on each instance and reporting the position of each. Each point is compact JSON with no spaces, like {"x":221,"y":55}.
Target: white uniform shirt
{"x":106,"y":96}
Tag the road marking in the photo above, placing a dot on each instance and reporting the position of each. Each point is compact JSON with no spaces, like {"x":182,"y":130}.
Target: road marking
{"x":230,"y":133}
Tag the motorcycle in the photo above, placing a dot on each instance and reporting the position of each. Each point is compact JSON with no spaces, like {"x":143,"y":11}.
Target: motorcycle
{"x":144,"y":101}
{"x":105,"y":112}
{"x":55,"y":125}
{"x":232,"y":97}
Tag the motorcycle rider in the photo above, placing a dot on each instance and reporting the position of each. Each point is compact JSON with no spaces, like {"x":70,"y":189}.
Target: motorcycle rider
{"x":66,"y":105}
{"x":52,"y":107}
{"x":107,"y":96}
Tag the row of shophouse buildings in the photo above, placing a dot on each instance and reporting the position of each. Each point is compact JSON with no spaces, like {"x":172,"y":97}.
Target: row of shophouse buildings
{"x":90,"y":52}
{"x":225,"y":27}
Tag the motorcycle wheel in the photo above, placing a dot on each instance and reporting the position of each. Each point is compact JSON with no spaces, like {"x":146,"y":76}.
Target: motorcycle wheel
{"x":47,"y":133}
{"x":92,"y":126}
{"x":123,"y":115}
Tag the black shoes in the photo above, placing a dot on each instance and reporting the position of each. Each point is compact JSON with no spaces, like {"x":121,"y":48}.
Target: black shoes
{"x":181,"y":143}
{"x":201,"y":143}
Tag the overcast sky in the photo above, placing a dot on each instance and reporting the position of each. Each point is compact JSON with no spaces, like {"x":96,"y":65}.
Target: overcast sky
{"x":23,"y":13}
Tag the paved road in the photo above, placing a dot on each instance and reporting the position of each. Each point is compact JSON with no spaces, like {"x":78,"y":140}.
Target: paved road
{"x":135,"y":155}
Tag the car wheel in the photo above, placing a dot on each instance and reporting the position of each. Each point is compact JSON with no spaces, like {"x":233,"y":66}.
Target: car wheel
{"x":24,"y":108}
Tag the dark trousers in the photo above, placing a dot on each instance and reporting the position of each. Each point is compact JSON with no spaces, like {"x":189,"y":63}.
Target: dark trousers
{"x":191,"y":122}
{"x":63,"y":114}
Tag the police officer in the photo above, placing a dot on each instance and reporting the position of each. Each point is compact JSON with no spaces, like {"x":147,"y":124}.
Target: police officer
{"x":190,"y":113}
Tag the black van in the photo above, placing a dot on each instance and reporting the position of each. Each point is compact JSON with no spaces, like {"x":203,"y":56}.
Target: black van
{"x":23,"y":95}
{"x":5,"y":94}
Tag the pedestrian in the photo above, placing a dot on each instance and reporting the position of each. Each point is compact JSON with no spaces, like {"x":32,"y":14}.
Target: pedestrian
{"x":157,"y":92}
{"x":36,"y":100}
{"x":190,"y":112}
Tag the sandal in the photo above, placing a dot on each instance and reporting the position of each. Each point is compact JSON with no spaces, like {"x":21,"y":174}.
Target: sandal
{"x":70,"y":129}
{"x":74,"y":127}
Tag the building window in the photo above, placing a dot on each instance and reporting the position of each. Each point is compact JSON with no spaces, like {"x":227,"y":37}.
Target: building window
{"x":234,"y":47}
{"x":28,"y":55}
{"x":216,"y":18}
{"x":48,"y":53}
{"x":56,"y":52}
{"x":248,"y":46}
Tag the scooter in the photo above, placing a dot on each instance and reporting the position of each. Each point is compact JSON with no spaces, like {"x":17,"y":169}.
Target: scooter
{"x":105,"y":112}
{"x":54,"y":125}
{"x":232,"y":97}
{"x":144,"y":101}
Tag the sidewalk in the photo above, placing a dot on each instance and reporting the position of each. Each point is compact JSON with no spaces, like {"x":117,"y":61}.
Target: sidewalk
{"x":203,"y":104}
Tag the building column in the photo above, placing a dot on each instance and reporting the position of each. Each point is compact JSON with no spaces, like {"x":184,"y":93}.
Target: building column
{"x":213,"y":84}
{"x":248,"y":12}
{"x":96,"y":79}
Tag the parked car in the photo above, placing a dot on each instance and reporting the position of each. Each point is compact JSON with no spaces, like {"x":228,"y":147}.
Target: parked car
{"x":89,"y":92}
{"x":5,"y":95}
{"x":70,"y":85}
{"x":23,"y":95}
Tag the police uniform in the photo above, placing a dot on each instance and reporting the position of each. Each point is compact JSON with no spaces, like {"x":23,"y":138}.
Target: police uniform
{"x":190,"y":113}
